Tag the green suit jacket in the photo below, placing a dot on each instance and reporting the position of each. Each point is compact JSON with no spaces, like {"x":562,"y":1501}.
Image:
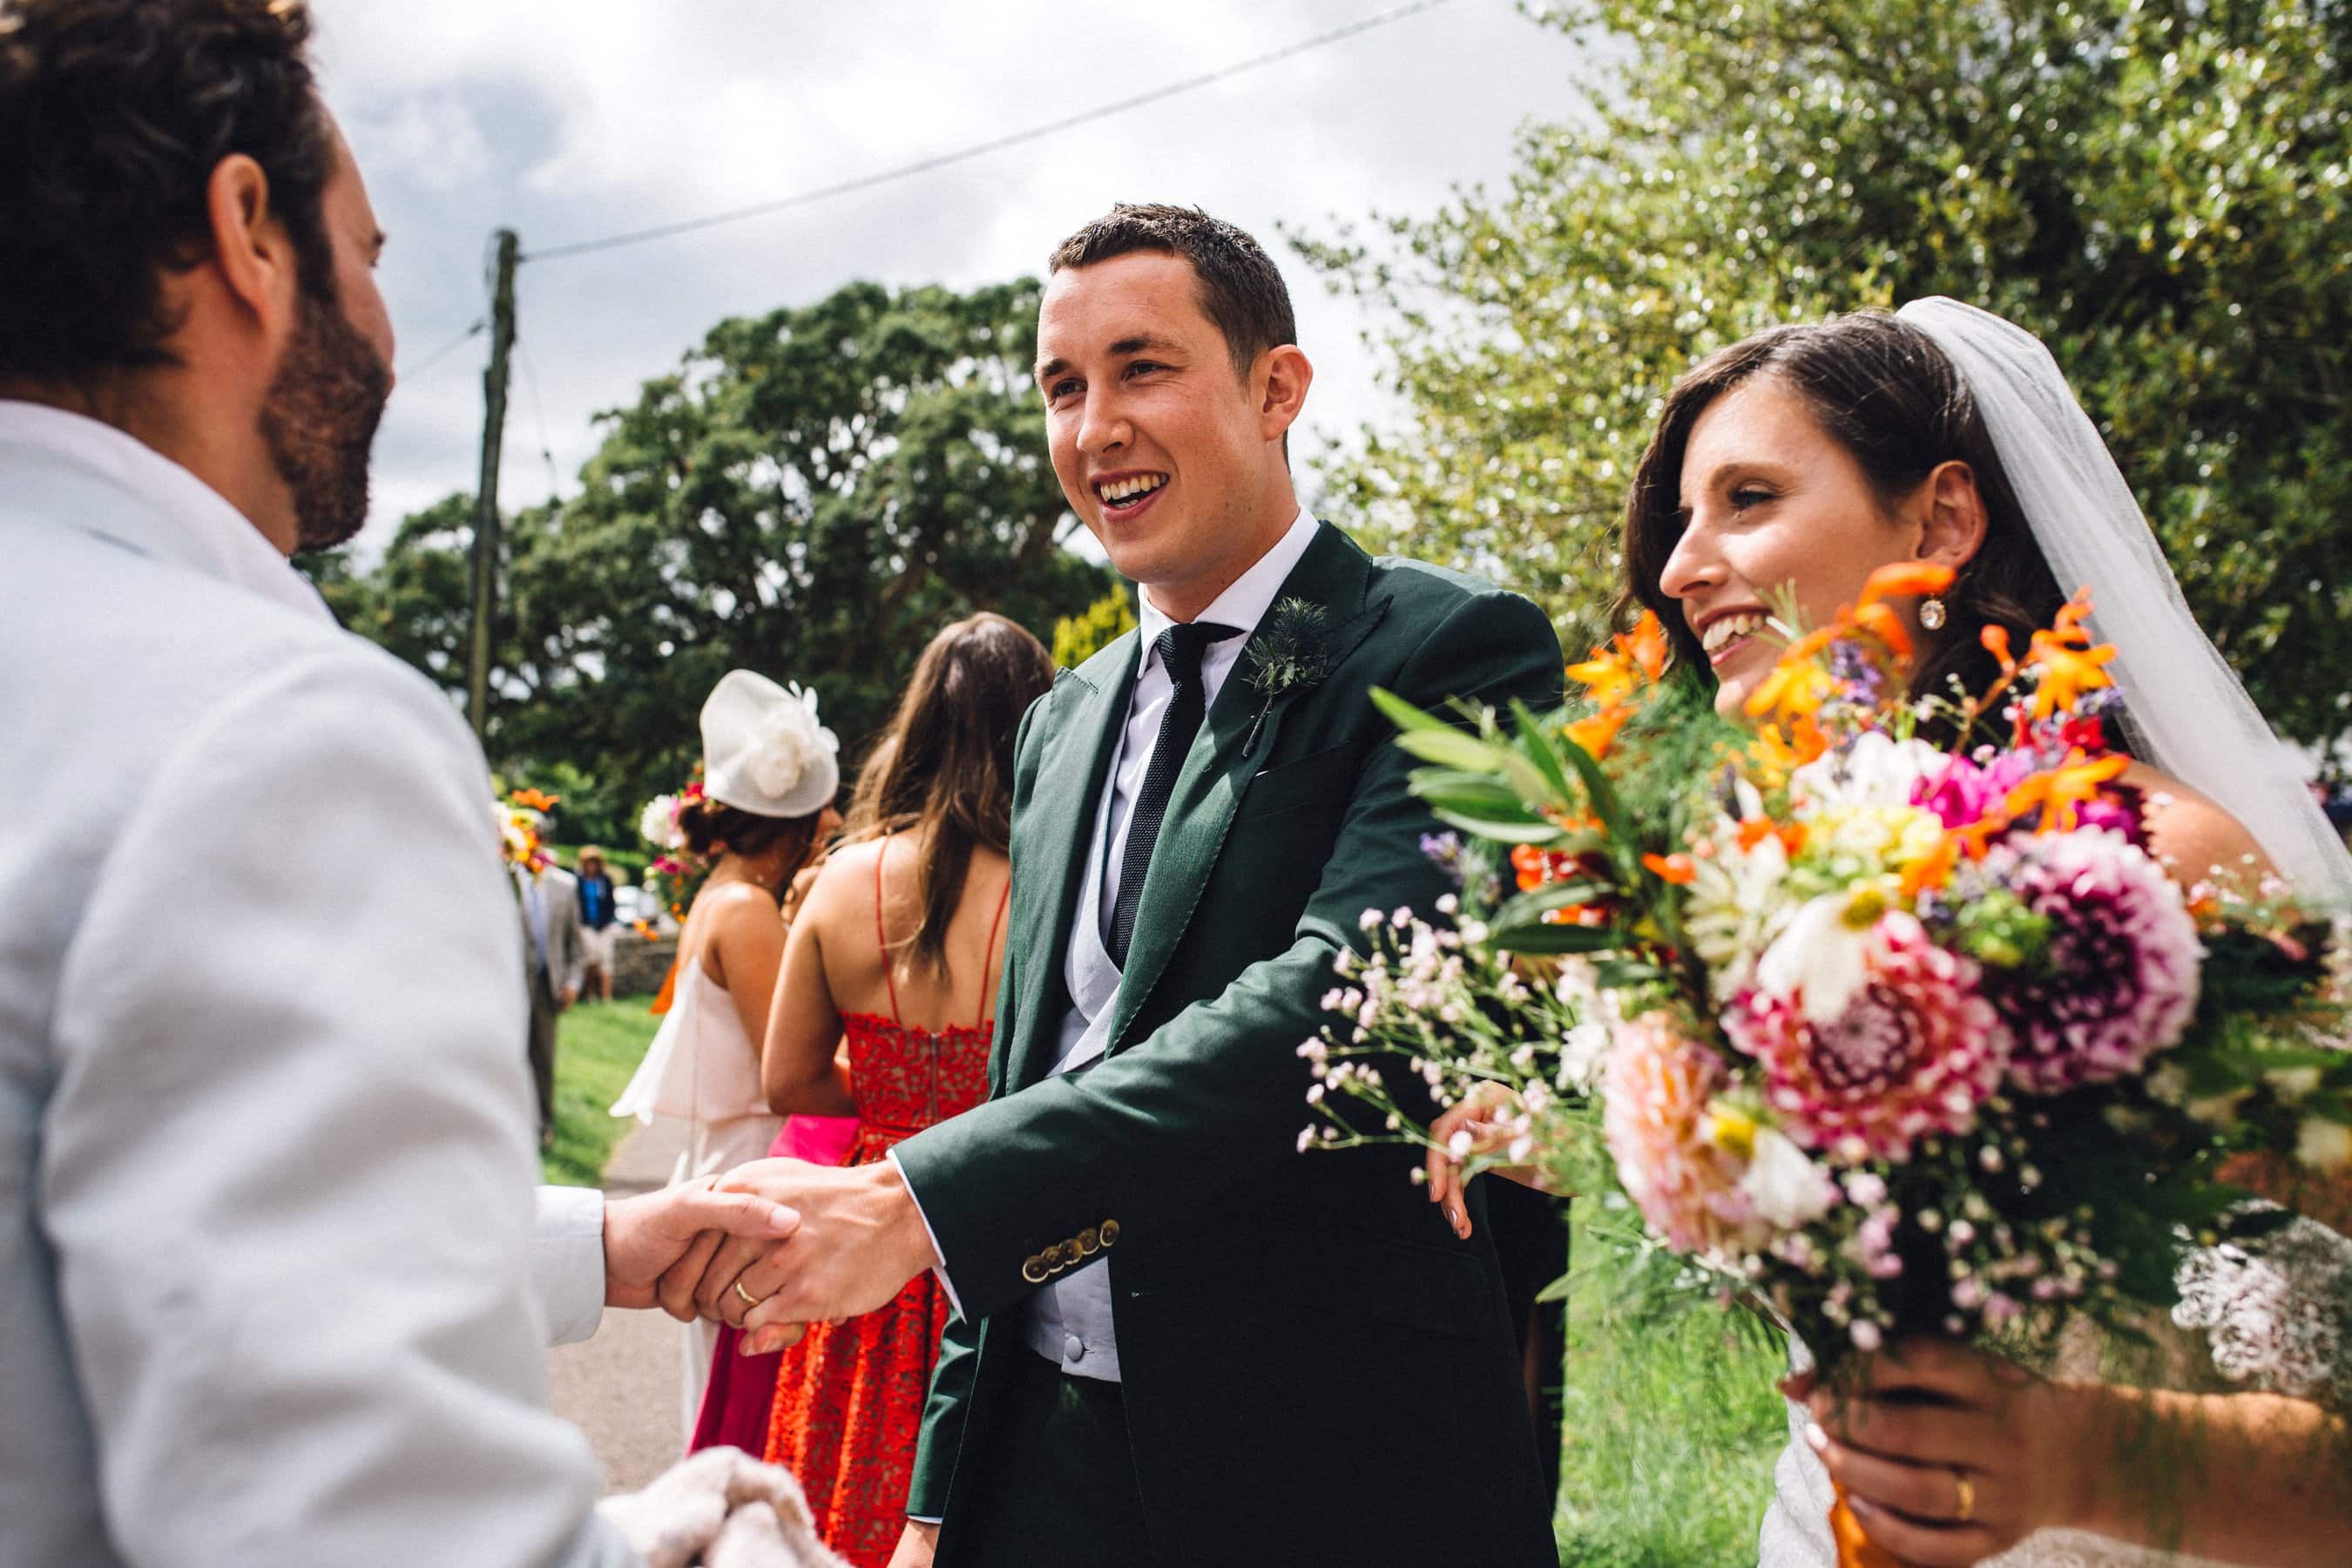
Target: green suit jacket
{"x":1316,"y":1369}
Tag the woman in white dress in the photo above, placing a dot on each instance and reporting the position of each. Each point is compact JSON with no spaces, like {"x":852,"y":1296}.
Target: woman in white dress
{"x":770,"y":776}
{"x":1802,"y":460}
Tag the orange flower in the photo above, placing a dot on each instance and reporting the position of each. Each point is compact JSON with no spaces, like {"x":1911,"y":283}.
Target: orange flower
{"x":1779,"y":752}
{"x":1885,"y":624}
{"x":1532,"y":864}
{"x":2061,"y":793}
{"x":1932,"y":869}
{"x":1676,"y":869}
{"x":1606,"y":678}
{"x":1995,"y":640}
{"x":2067,"y":671}
{"x":1646,"y":645}
{"x":1795,"y":688}
{"x":1596,"y":731}
{"x":1905,"y":580}
{"x":534,"y":800}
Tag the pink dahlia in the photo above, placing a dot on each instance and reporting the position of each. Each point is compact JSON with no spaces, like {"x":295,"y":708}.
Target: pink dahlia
{"x":1656,"y":1086}
{"x":1914,"y":1051}
{"x":2120,"y":979}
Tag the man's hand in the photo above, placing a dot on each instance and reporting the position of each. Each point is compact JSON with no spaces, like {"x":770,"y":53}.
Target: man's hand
{"x":570,"y":995}
{"x":860,"y":1239}
{"x":645,"y":1237}
{"x":916,"y":1546}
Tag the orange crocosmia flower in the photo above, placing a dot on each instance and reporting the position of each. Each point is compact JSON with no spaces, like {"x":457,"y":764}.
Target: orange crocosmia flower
{"x":1796,"y":686}
{"x":1754,"y":830}
{"x":1676,"y":869}
{"x":2061,"y":793}
{"x":1594,"y":731}
{"x":1885,"y":625}
{"x":1606,"y":678}
{"x":1810,"y":742}
{"x":1995,"y":640}
{"x":1932,"y":869}
{"x":2066,"y":672}
{"x":1529,"y":862}
{"x":1645,"y":645}
{"x":1905,"y":580}
{"x":535,"y":800}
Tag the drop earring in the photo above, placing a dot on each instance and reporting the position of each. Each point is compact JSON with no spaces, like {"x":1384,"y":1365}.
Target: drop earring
{"x":1931,"y":615}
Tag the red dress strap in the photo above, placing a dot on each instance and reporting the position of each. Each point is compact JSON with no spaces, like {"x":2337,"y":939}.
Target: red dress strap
{"x":989,"y":957}
{"x":881,"y":850}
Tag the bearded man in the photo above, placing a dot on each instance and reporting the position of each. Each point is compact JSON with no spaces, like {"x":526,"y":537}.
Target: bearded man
{"x":273,"y":1285}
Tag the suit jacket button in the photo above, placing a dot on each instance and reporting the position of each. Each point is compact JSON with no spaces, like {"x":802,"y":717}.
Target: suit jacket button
{"x":1109,"y":1232}
{"x":1032,"y":1270}
{"x":1089,"y":1242}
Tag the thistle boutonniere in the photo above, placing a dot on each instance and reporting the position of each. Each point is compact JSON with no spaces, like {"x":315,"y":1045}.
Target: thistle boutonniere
{"x":1291,"y":651}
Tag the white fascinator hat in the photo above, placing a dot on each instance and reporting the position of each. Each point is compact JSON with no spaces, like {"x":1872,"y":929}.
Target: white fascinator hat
{"x":762,"y":749}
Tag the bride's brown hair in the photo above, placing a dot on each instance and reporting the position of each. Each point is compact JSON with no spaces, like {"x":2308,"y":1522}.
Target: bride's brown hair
{"x":1882,"y":390}
{"x":943,"y":768}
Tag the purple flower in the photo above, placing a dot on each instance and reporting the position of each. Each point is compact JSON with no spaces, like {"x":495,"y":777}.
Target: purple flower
{"x":2120,"y":980}
{"x":1443,"y":850}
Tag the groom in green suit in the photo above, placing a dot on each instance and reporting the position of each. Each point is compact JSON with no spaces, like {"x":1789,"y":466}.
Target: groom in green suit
{"x":1179,"y":1340}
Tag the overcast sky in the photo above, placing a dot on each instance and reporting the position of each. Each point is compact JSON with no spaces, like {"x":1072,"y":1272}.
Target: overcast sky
{"x":574,"y":120}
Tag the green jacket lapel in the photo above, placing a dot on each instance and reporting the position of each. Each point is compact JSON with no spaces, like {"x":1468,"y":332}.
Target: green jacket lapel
{"x":1224,"y":757}
{"x":1087,"y":712}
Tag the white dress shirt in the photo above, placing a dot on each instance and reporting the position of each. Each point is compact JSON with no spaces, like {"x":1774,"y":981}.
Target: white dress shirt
{"x":275,"y":1285}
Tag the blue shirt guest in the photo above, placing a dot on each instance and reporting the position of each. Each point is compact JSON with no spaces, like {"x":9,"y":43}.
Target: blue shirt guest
{"x":597,"y":918}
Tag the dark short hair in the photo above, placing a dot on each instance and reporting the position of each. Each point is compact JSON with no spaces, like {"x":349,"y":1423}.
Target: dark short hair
{"x":1242,"y":291}
{"x":1882,"y":390}
{"x":713,"y":828}
{"x":114,"y":114}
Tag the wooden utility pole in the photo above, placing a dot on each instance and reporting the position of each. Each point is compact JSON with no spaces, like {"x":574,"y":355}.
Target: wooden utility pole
{"x":485,"y":492}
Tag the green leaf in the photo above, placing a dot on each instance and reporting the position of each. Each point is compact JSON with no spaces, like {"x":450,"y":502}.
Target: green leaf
{"x":1533,"y":830}
{"x":1535,"y":743}
{"x":1450,"y":748}
{"x":1403,"y":714}
{"x":1529,"y":907}
{"x":1550,"y":938}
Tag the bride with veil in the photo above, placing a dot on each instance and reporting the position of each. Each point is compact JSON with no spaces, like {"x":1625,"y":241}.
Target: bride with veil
{"x":1797,"y":461}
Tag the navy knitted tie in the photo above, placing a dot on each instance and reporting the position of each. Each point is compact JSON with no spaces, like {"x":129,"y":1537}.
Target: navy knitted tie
{"x":1181,"y":649}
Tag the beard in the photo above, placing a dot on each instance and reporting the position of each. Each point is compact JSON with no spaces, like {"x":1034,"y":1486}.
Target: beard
{"x":319,"y":421}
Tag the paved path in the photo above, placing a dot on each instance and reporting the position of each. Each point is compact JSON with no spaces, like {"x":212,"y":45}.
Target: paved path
{"x":624,"y":1386}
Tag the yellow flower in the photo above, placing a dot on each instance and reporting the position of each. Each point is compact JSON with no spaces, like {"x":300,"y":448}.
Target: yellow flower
{"x":1795,"y":688}
{"x":2061,"y":791}
{"x":1730,"y":1129}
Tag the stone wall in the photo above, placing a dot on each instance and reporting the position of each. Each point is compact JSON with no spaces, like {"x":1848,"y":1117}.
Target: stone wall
{"x":638,"y":965}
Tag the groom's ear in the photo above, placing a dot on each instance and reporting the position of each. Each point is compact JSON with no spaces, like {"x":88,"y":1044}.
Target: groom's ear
{"x":1280,"y":379}
{"x":1952,"y":528}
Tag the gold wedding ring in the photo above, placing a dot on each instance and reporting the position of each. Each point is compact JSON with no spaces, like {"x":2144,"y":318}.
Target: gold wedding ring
{"x":1967,"y":1505}
{"x":752,"y":1300}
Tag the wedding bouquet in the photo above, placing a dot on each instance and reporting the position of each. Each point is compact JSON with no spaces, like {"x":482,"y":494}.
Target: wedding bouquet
{"x":676,"y":870}
{"x":519,"y":819}
{"x":1886,"y":1035}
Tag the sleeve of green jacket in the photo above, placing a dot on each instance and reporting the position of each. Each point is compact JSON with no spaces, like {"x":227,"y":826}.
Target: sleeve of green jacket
{"x":1217,"y":1095}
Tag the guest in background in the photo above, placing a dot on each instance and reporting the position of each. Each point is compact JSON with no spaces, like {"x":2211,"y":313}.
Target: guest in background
{"x":548,"y":898}
{"x":598,"y":919}
{"x":898,"y":953}
{"x":768,"y":778}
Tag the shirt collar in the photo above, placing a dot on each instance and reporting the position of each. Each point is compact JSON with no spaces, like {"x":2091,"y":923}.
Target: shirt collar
{"x":205,"y":531}
{"x":1246,"y":600}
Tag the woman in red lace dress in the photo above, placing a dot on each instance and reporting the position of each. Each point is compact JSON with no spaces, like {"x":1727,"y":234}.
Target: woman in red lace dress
{"x":883,"y":1013}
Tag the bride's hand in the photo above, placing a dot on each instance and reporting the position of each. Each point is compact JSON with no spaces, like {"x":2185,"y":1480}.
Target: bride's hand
{"x":1949,"y":1455}
{"x":1471,"y":1123}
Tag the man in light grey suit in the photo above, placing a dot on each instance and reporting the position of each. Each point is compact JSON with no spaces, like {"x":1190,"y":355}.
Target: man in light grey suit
{"x":273,"y":1287}
{"x":548,"y":899}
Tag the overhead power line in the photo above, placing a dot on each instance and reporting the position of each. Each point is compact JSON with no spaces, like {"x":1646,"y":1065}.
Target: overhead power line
{"x":445,"y":350}
{"x":979,"y":149}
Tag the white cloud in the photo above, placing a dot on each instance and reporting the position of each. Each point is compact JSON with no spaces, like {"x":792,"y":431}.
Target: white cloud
{"x":590,"y":117}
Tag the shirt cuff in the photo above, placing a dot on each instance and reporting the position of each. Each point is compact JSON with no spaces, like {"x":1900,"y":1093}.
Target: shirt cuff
{"x":923,"y":1519}
{"x":567,"y":1261}
{"x":939,"y":1255}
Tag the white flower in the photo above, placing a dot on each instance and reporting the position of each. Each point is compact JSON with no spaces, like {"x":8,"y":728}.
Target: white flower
{"x":658,"y":824}
{"x":1875,"y":770}
{"x":789,"y":739}
{"x":1581,"y":1050}
{"x":1786,"y":1187}
{"x":1735,"y":906}
{"x":1820,"y":955}
{"x":2291,"y":1084}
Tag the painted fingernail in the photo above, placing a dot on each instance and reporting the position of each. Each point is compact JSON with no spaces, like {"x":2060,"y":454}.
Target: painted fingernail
{"x":1816,"y":1438}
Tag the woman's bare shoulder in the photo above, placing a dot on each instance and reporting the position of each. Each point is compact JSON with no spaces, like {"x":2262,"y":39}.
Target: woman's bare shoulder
{"x":2193,"y":837}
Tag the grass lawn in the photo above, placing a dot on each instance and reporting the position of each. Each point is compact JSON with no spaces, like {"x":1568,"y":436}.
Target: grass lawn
{"x":1671,"y":1423}
{"x":597,"y":1046}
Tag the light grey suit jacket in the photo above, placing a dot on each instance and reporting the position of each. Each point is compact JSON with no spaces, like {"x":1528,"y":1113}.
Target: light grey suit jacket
{"x":266,"y":1172}
{"x":567,"y":955}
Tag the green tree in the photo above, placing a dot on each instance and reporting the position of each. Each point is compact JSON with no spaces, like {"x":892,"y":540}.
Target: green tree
{"x":1077,"y":638}
{"x":812,"y":495}
{"x":2157,"y":187}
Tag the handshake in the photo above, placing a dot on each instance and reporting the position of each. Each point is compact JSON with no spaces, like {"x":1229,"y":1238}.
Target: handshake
{"x":767,"y":1247}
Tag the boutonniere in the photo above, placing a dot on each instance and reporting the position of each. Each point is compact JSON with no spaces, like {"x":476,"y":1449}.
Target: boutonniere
{"x":1292,"y":651}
